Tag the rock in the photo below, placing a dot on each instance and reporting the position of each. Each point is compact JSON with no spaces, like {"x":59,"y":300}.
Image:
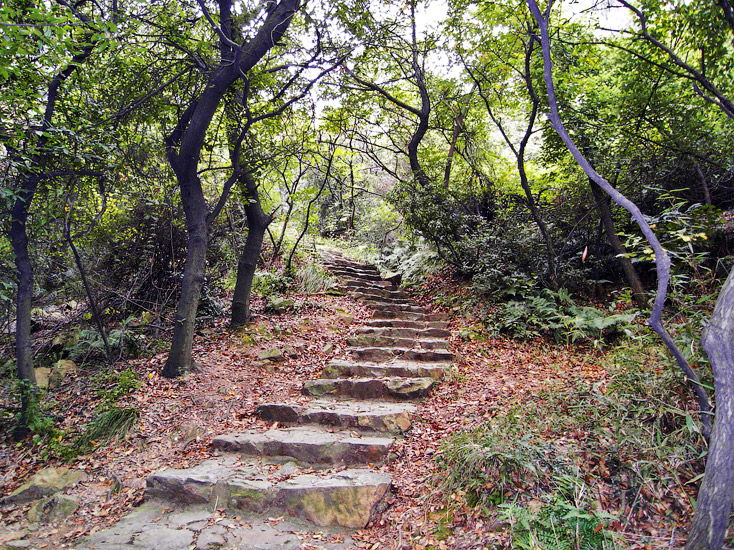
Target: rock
{"x":17,"y":545}
{"x":53,"y":508}
{"x":211,"y":537}
{"x":345,"y":318}
{"x":60,"y":370}
{"x":279,"y":304}
{"x":274,"y":354}
{"x":164,"y":538}
{"x":291,"y":352}
{"x":46,"y":482}
{"x":42,"y":377}
{"x":328,"y":348}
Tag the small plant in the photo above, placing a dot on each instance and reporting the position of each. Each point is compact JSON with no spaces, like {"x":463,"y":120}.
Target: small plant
{"x":267,"y":283}
{"x":113,"y":386}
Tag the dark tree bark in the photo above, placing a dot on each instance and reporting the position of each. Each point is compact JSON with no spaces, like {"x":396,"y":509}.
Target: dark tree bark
{"x":257,"y":224}
{"x":605,"y":213}
{"x":28,"y":184}
{"x":184,"y":146}
{"x":716,"y":495}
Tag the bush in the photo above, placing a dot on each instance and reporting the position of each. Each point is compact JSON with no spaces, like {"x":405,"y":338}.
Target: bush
{"x":556,"y":314}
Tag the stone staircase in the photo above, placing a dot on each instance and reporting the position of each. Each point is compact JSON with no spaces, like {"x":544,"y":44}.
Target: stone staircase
{"x":342,"y":436}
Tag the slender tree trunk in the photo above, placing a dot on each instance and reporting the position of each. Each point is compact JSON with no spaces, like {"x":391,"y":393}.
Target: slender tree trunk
{"x":179,"y":358}
{"x":23,"y":351}
{"x":257,"y":224}
{"x":704,"y":184}
{"x":638,"y":291}
{"x":716,"y":495}
{"x":90,"y":298}
{"x":550,"y":252}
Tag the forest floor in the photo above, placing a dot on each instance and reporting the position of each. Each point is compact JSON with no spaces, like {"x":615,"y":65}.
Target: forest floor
{"x":178,"y":419}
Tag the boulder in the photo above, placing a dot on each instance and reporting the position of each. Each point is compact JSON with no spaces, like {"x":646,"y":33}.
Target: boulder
{"x":46,"y":482}
{"x":42,"y":377}
{"x":60,"y":371}
{"x":274,"y":354}
{"x":53,"y":508}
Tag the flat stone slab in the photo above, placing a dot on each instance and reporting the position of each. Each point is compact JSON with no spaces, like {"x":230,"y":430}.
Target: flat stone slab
{"x":378,"y":355}
{"x":406,"y":323}
{"x":409,"y":316}
{"x":309,"y":444}
{"x":382,"y":341}
{"x":348,"y":498}
{"x":404,"y":369}
{"x":154,"y":525}
{"x":397,"y":332}
{"x":370,"y":388}
{"x":373,"y":416}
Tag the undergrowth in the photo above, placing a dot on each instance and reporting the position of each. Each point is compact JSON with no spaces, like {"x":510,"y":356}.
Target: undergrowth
{"x":580,"y":462}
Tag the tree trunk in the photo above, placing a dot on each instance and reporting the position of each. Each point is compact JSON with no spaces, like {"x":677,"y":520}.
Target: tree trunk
{"x":179,"y":358}
{"x":23,"y":351}
{"x":716,"y":495}
{"x":257,"y":224}
{"x":638,"y":291}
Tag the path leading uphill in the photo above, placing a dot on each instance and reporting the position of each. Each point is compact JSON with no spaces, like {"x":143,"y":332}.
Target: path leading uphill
{"x":317,"y":470}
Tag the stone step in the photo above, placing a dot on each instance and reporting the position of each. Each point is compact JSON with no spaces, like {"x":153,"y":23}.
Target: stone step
{"x":377,"y":302}
{"x":370,"y":340}
{"x":365,"y":415}
{"x":409,"y":316}
{"x":370,"y":388}
{"x":384,"y":293}
{"x":397,"y":332}
{"x":405,"y":323}
{"x":365,"y":285}
{"x":309,"y":444}
{"x":378,"y":355}
{"x":404,"y":369}
{"x":396,"y":308}
{"x":355,"y":275}
{"x":156,"y":524}
{"x":348,"y":498}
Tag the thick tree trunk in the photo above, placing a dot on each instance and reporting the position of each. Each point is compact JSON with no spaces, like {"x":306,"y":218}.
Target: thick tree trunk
{"x":257,"y":224}
{"x":23,"y":351}
{"x":638,"y":291}
{"x":179,"y":358}
{"x":716,"y":495}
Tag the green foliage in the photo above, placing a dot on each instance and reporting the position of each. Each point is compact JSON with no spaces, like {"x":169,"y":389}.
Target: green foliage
{"x":113,"y":423}
{"x":113,"y":386}
{"x":556,"y":314}
{"x":559,"y":525}
{"x":413,"y":260}
{"x":267,"y":283}
{"x":311,"y":278}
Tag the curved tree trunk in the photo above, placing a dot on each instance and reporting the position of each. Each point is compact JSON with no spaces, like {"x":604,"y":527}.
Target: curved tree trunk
{"x":716,"y":495}
{"x":633,"y":279}
{"x":257,"y":224}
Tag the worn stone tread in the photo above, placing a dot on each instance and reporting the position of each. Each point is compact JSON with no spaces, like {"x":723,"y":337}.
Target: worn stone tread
{"x":309,"y":444}
{"x":398,"y":332}
{"x":347,"y":498}
{"x":398,"y":388}
{"x":364,"y":415}
{"x":405,"y":369}
{"x":380,"y":354}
